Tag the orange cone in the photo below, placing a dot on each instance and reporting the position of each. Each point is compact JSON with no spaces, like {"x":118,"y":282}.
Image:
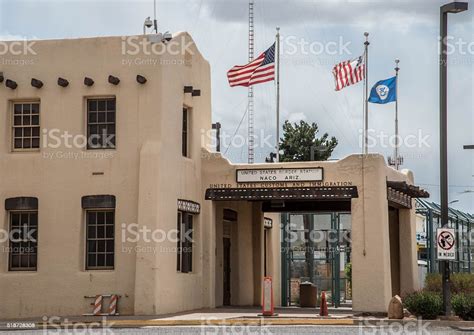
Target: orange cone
{"x":323,"y":311}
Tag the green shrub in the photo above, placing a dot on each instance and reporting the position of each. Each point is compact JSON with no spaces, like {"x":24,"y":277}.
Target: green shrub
{"x":348,"y":273}
{"x":460,"y":283}
{"x":463,"y":306}
{"x":425,"y":304}
{"x":433,"y":282}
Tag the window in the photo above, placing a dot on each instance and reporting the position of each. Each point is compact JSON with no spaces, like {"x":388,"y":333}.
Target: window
{"x":26,"y":125}
{"x":185,"y":131}
{"x":101,"y":123}
{"x":100,"y":239}
{"x":185,"y":242}
{"x":23,"y":248}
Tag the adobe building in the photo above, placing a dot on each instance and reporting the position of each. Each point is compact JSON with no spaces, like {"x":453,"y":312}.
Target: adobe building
{"x":104,"y":162}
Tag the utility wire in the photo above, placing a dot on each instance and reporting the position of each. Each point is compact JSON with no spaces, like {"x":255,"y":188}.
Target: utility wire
{"x":236,"y":130}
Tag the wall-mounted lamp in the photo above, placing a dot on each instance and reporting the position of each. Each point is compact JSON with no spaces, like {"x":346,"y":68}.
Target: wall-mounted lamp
{"x":188,"y":89}
{"x":36,"y":83}
{"x":2,"y":78}
{"x":114,"y":80}
{"x":196,"y":93}
{"x":88,"y":81}
{"x":63,"y":82}
{"x":11,"y":84}
{"x":141,"y":80}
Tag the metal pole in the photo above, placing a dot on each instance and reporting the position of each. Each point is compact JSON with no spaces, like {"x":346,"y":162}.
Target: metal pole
{"x":397,"y":162}
{"x":277,"y":56}
{"x":250,"y":106}
{"x":366,"y":94}
{"x":444,"y":151}
{"x":155,"y":22}
{"x":264,"y":252}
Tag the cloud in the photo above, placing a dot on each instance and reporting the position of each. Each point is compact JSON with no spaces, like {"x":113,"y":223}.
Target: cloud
{"x":328,"y":12}
{"x":14,"y":37}
{"x":296,"y":117}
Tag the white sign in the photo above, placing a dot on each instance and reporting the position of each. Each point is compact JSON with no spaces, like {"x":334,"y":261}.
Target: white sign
{"x":267,"y":223}
{"x":281,"y":175}
{"x":446,"y":243}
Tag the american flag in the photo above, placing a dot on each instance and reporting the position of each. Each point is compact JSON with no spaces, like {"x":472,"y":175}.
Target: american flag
{"x":349,"y":73}
{"x":258,"y":71}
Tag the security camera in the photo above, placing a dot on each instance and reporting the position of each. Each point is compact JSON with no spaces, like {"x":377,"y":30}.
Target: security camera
{"x":148,"y":22}
{"x":167,"y":36}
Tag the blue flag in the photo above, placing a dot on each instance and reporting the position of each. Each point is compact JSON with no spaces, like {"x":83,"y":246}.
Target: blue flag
{"x":384,"y":91}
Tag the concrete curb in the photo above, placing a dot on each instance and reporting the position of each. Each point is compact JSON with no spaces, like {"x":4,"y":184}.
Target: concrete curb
{"x":257,"y":322}
{"x":434,"y":323}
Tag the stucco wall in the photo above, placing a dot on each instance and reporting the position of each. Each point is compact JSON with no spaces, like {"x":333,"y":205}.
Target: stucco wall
{"x":145,"y":172}
{"x":371,"y":271}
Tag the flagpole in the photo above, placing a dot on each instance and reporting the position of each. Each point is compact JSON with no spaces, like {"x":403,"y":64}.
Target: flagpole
{"x":366,"y":96}
{"x":397,"y":162}
{"x":277,"y":59}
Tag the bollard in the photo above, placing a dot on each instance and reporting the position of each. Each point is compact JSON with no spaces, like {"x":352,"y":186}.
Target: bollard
{"x":323,"y":311}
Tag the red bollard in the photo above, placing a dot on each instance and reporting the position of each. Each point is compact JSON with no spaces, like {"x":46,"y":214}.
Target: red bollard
{"x":323,"y":311}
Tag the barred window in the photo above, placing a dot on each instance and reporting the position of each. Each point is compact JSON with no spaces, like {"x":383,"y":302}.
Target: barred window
{"x":23,"y":247}
{"x":101,"y":123}
{"x":185,"y":242}
{"x":26,"y":125}
{"x":100,"y":239}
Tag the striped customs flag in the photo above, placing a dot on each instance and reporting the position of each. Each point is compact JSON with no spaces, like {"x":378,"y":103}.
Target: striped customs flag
{"x":258,"y":71}
{"x":349,"y":73}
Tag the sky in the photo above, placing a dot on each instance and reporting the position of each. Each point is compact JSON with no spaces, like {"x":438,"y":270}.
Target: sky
{"x":316,"y":34}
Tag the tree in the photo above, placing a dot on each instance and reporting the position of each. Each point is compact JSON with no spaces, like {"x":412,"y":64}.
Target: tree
{"x":300,"y":143}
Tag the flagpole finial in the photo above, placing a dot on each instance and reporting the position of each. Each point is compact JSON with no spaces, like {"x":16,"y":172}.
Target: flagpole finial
{"x":396,"y":64}
{"x":366,"y":34}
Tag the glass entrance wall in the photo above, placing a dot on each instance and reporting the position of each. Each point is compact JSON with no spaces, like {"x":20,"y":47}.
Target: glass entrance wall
{"x":316,"y":248}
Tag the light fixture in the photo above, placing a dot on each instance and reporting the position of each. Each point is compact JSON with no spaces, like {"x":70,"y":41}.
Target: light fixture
{"x":454,"y":7}
{"x":36,"y":83}
{"x":2,"y":78}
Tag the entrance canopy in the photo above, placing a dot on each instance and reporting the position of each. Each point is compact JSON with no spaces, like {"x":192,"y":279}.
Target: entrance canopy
{"x":400,"y":194}
{"x":291,"y":198}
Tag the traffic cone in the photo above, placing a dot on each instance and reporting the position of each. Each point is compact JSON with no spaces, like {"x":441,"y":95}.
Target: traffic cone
{"x":323,"y":311}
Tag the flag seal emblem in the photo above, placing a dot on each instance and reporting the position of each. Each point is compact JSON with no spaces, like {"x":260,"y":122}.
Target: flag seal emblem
{"x":382,"y":91}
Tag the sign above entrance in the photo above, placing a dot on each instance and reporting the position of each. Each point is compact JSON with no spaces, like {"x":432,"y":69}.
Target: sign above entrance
{"x":279,"y":175}
{"x":446,"y":243}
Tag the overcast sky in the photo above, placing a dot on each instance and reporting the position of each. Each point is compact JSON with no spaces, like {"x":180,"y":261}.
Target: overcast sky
{"x":407,"y":30}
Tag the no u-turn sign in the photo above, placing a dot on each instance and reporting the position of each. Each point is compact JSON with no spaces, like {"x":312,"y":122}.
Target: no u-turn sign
{"x":446,"y":243}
